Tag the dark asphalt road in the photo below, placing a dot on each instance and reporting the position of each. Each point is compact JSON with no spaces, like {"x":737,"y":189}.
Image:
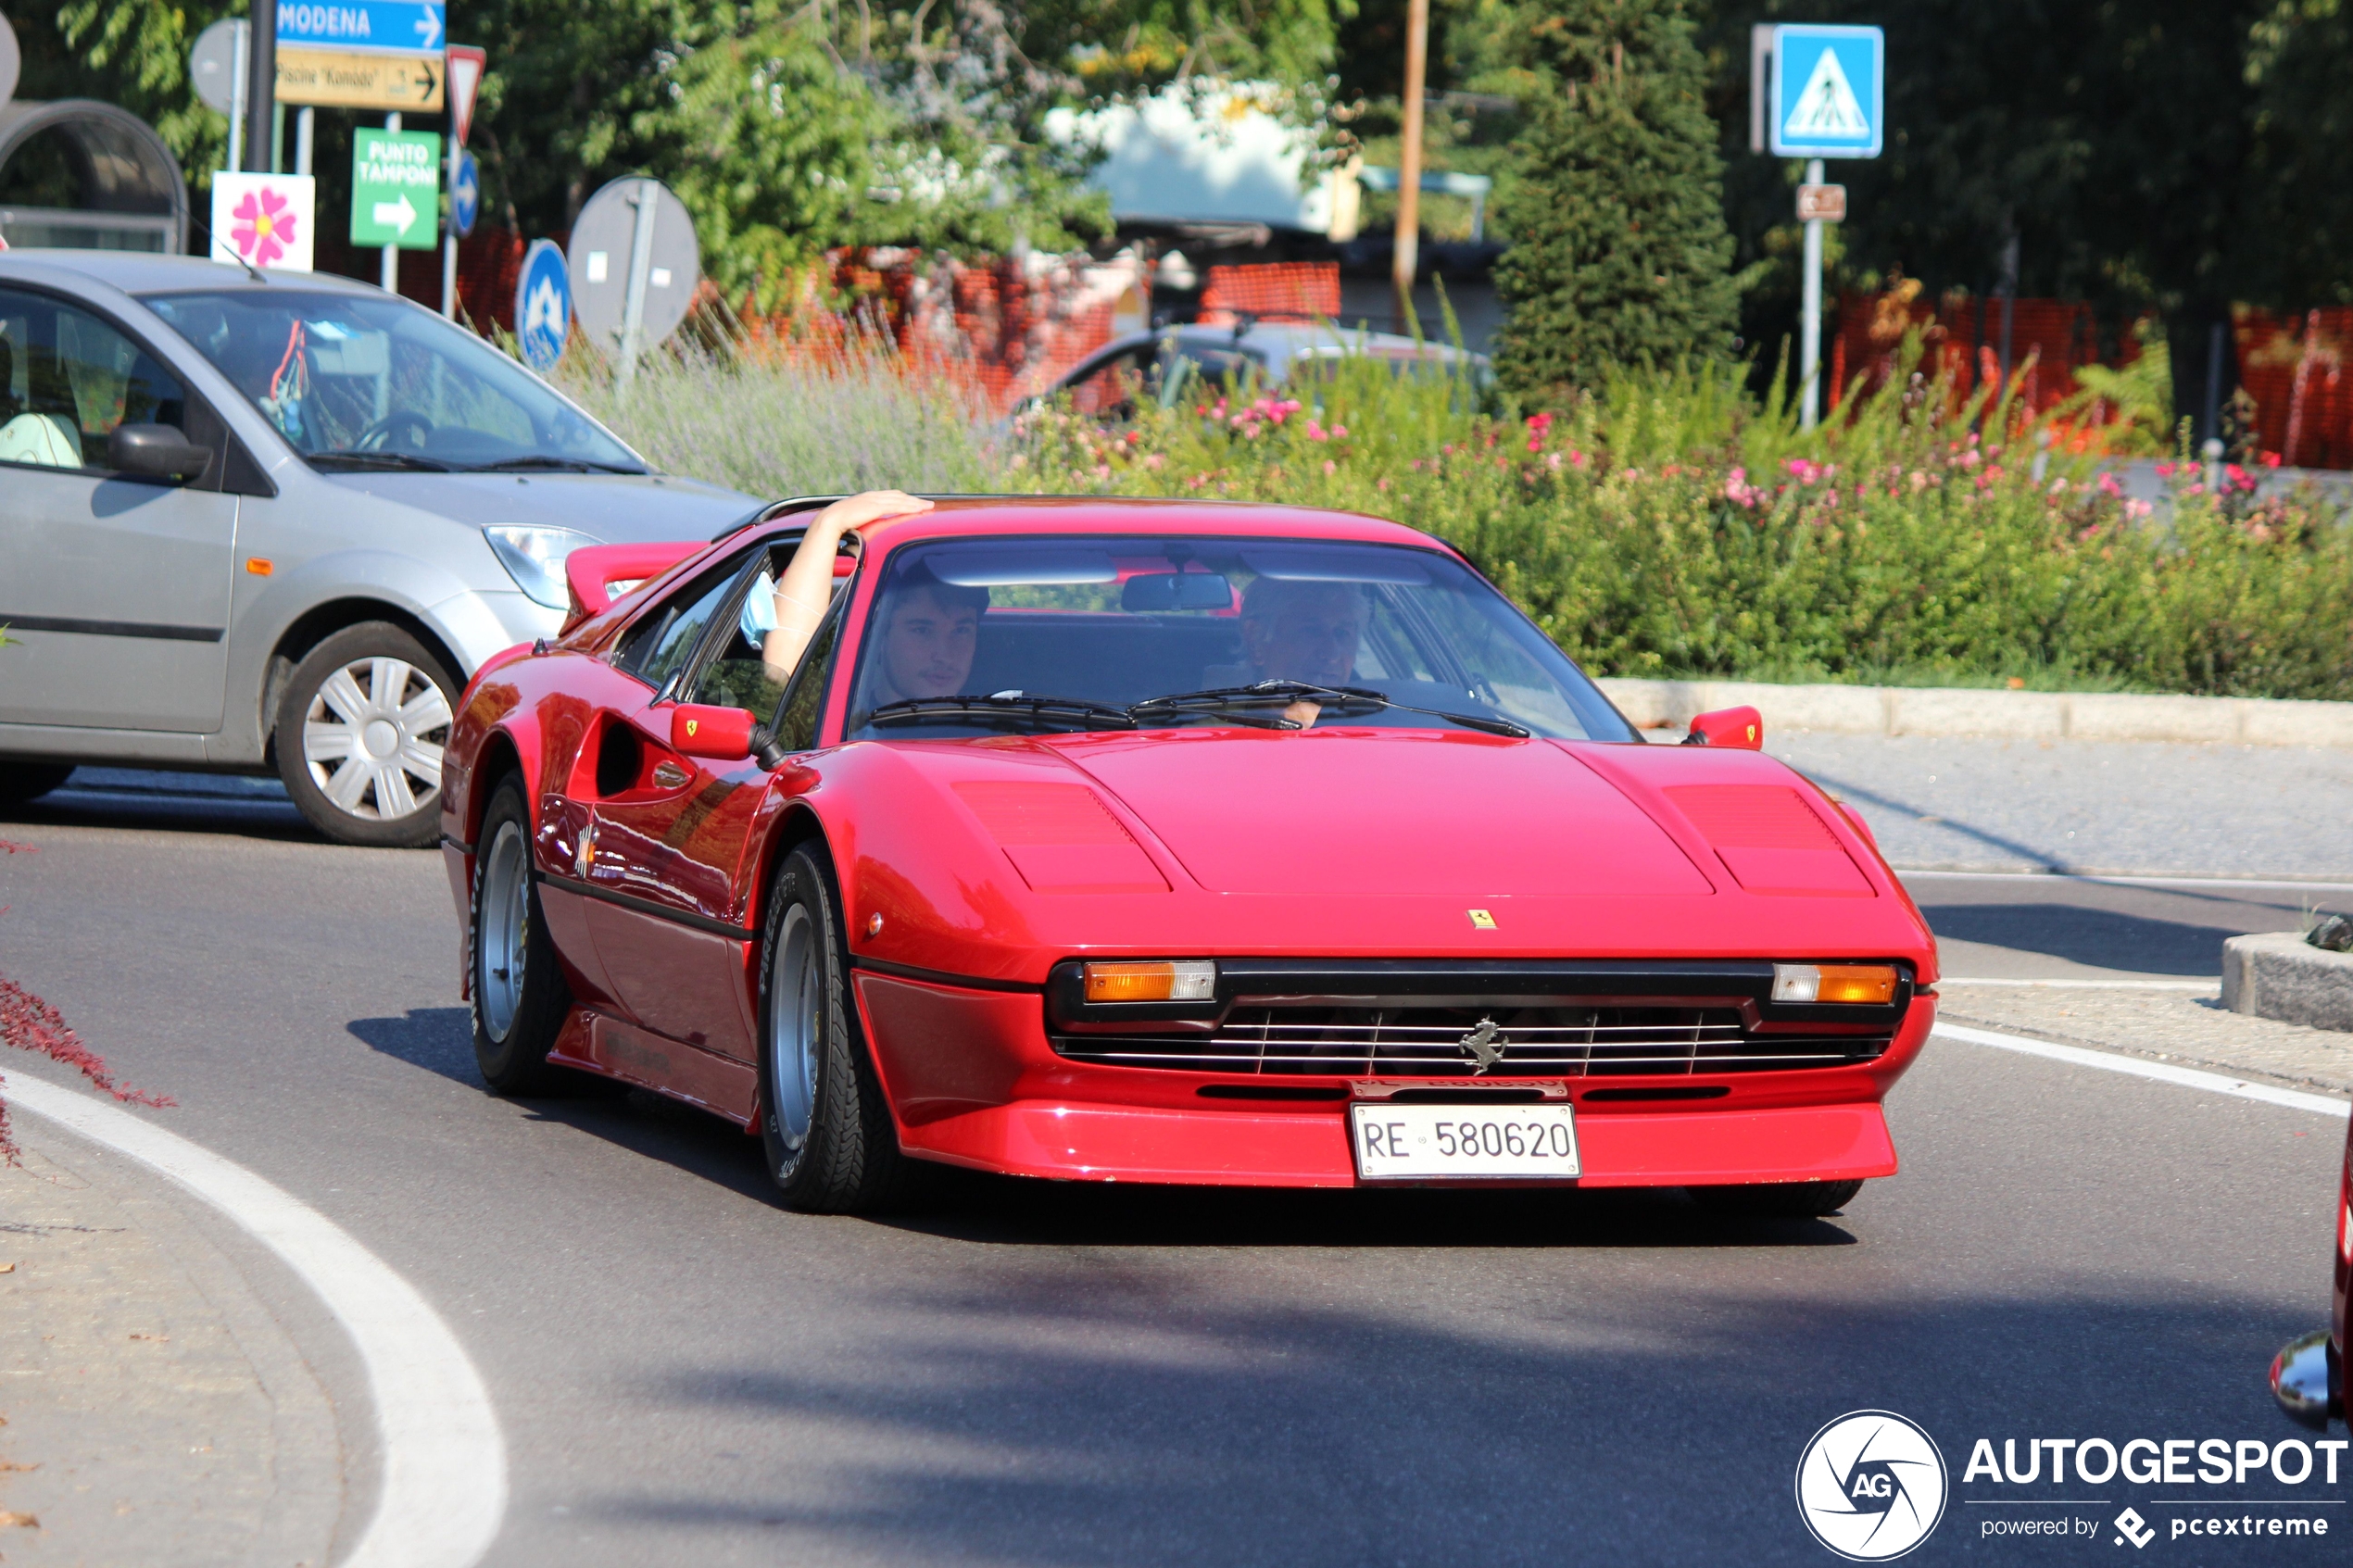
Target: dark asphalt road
{"x":1026,"y":1373}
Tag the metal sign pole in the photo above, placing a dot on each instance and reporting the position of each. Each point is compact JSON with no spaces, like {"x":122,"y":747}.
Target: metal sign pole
{"x":238,"y":64}
{"x":450,"y":235}
{"x":261,"y":85}
{"x":305,"y":131}
{"x":1809,"y":321}
{"x":391,"y":278}
{"x":641,"y":260}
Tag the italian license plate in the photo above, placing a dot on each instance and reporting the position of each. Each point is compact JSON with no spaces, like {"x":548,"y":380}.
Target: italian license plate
{"x":1466,"y":1142}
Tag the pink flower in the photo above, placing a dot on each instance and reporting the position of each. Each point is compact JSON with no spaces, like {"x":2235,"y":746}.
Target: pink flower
{"x":2137,"y":508}
{"x":1340,"y":432}
{"x":1552,"y":461}
{"x":2165,"y":471}
{"x":2109,"y":487}
{"x":1330,"y":468}
{"x":1805,"y":470}
{"x":2270,"y":459}
{"x":263,"y":228}
{"x":1539,"y":424}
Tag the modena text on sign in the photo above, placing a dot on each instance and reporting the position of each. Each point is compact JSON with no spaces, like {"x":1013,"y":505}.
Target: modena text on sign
{"x":412,"y":26}
{"x":336,"y":79}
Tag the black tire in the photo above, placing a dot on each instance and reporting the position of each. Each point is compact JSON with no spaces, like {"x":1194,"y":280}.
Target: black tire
{"x":1785,"y":1201}
{"x":22,"y":782}
{"x":830,"y":1143}
{"x":516,"y":1017}
{"x":362,"y":762}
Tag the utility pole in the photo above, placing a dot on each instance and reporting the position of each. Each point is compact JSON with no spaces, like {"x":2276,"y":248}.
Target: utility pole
{"x":390,"y":279}
{"x":261,"y":86}
{"x":1407,"y":257}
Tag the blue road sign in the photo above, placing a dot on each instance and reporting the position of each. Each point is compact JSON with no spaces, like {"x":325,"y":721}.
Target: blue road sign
{"x":465,"y":197}
{"x":374,"y":27}
{"x":543,"y":305}
{"x":1829,"y":91}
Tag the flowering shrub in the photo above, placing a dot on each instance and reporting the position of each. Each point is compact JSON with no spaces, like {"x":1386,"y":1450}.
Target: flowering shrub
{"x":1669,"y":525}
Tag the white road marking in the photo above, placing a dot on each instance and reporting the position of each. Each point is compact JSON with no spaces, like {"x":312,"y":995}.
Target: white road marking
{"x":444,"y":1462}
{"x":1943,"y":981}
{"x":2164,"y":1073}
{"x":2125,"y":879}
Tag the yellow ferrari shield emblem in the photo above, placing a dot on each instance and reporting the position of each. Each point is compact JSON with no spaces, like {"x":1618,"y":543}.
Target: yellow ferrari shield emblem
{"x":1482,"y":920}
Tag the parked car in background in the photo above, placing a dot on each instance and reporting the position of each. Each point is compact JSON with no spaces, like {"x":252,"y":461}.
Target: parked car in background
{"x":256,"y":522}
{"x":1168,"y":366}
{"x":2308,"y":1375}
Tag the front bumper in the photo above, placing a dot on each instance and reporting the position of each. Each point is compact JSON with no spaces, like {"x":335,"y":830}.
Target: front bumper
{"x":974,"y":1081}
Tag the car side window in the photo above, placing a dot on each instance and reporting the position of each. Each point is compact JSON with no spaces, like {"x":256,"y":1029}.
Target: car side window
{"x":664,"y":638}
{"x":804,"y":710}
{"x":736,"y":675}
{"x":1111,"y":388}
{"x":67,"y":380}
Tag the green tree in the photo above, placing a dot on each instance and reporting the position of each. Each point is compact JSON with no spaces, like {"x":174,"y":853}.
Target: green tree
{"x":1621,"y":255}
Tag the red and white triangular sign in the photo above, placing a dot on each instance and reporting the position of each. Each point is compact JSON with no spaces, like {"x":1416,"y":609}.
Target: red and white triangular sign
{"x":465,"y":65}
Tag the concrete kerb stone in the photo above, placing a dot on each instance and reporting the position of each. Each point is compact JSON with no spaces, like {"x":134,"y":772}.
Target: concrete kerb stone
{"x":2278,"y":974}
{"x":1952,"y":710}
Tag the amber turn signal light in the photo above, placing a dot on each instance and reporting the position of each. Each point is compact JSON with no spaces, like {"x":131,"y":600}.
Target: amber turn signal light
{"x":1185,"y":980}
{"x":1868,"y":982}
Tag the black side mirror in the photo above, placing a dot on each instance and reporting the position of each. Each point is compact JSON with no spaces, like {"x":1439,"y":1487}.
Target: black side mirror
{"x":156,"y":452}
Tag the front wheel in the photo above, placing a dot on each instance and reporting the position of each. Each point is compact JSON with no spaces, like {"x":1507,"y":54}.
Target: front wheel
{"x":1786,"y":1200}
{"x":520,"y":996}
{"x":359,"y":735}
{"x":828,"y":1136}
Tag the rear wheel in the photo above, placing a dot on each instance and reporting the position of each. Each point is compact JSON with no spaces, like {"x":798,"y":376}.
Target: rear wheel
{"x":1791,"y":1201}
{"x":359,"y":735}
{"x":520,"y":997}
{"x":20,"y":781}
{"x":828,"y":1136}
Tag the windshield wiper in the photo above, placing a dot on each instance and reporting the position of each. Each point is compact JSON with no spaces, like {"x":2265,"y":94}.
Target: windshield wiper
{"x":354,"y":458}
{"x":1004,"y":706}
{"x":1282,"y":694}
{"x":567,"y":465}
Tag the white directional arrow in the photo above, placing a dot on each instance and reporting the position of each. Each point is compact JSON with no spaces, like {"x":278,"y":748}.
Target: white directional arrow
{"x":429,"y":26}
{"x":396,"y":215}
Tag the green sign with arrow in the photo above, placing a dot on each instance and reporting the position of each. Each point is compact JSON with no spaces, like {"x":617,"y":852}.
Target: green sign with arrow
{"x":396,"y":189}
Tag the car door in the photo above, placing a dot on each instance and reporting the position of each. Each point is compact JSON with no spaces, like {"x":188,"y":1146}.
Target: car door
{"x":117,"y":586}
{"x":672,"y":839}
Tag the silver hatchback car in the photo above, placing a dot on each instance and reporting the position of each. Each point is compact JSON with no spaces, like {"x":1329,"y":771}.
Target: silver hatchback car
{"x":273,"y":522}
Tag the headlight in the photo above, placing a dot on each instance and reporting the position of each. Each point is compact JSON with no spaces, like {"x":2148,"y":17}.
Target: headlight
{"x":534,"y":558}
{"x":1869,"y":983}
{"x":1187,"y":980}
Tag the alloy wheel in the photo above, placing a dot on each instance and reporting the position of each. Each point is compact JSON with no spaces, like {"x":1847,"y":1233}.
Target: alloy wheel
{"x":505,"y":934}
{"x":373,"y":738}
{"x":793,"y":1000}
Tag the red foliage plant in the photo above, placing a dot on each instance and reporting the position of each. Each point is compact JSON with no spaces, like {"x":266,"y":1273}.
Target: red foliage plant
{"x":31,"y":1024}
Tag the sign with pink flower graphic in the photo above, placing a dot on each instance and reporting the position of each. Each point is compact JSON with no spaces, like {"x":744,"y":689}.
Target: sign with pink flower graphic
{"x":265,"y":219}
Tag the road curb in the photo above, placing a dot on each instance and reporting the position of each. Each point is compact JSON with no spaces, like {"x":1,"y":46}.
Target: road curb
{"x":1955,"y":711}
{"x":2278,"y":974}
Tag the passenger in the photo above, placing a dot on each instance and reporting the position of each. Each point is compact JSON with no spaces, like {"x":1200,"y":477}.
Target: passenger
{"x":1306,"y":632}
{"x":806,"y":589}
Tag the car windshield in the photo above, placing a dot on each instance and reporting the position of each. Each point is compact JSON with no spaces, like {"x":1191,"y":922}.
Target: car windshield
{"x":971,"y":636}
{"x":361,"y":382}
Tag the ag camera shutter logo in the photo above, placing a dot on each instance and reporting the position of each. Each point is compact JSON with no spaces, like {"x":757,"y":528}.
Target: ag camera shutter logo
{"x":1871,"y":1486}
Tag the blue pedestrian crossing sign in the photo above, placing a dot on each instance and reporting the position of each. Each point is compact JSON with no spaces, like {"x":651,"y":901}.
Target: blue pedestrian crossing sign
{"x":1829,"y":91}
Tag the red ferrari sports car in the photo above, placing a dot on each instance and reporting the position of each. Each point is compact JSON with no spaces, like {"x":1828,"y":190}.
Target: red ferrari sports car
{"x":1161,"y":841}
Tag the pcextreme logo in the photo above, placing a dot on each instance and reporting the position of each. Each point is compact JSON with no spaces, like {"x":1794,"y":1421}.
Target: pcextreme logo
{"x":1871,"y":1486}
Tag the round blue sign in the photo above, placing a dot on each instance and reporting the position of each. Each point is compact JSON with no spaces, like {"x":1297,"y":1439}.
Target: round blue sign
{"x":543,"y":305}
{"x":465,"y":196}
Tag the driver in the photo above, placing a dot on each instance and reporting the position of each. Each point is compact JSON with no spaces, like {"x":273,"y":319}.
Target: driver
{"x":1307,"y":632}
{"x":805,"y":588}
{"x":929,"y":630}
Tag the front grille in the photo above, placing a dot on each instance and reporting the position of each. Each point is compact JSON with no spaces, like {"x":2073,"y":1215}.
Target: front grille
{"x":1422,"y":1041}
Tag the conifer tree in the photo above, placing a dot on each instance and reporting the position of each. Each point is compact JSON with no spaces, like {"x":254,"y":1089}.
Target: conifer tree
{"x":1620,"y":254}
